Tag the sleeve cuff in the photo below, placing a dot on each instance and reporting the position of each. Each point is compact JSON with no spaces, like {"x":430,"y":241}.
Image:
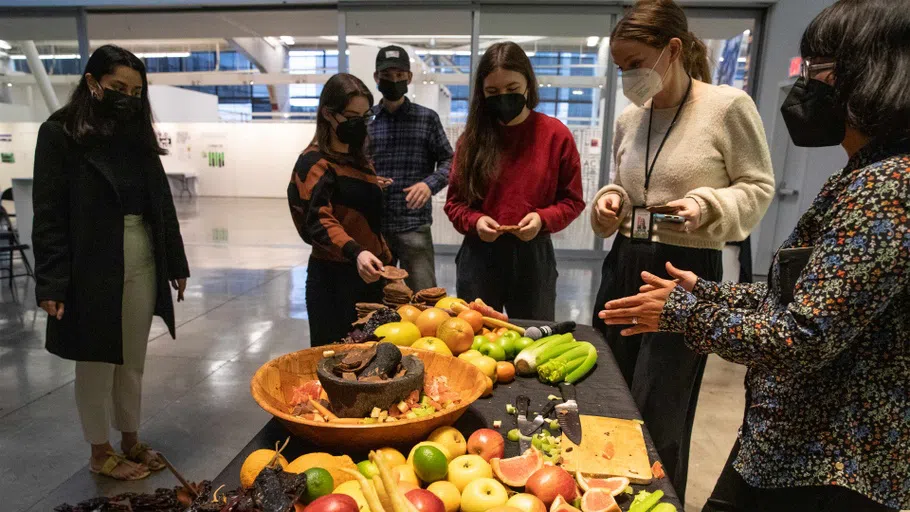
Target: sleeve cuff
{"x":679,"y":307}
{"x":706,"y":214}
{"x":436,"y":181}
{"x":705,"y":290}
{"x":351,"y":250}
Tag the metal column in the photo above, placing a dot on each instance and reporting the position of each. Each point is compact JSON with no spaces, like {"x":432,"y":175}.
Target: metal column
{"x":475,"y":48}
{"x":342,"y":43}
{"x":82,"y":36}
{"x":40,"y":74}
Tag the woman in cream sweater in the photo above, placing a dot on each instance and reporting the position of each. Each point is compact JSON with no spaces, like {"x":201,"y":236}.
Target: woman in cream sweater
{"x":700,"y":152}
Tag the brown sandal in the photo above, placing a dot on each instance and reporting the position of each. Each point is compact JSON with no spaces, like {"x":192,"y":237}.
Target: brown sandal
{"x":142,"y":453}
{"x":113,"y":461}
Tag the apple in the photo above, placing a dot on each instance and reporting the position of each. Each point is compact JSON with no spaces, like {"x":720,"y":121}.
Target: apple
{"x":479,"y":341}
{"x":470,"y":355}
{"x":433,"y":345}
{"x":405,"y":473}
{"x":494,"y":350}
{"x":549,"y":482}
{"x":333,"y":503}
{"x":486,"y":365}
{"x":483,"y":494}
{"x":464,"y":469}
{"x":425,"y":501}
{"x":487,"y":443}
{"x":527,"y":503}
{"x":508,"y":346}
{"x":504,"y":508}
{"x":392,"y":457}
{"x":406,"y":487}
{"x":449,"y":494}
{"x":452,"y":439}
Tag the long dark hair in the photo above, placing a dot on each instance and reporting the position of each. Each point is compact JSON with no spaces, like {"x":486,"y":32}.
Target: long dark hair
{"x":655,"y":23}
{"x":477,"y":162}
{"x":867,"y":40}
{"x":82,"y":118}
{"x":337,"y":92}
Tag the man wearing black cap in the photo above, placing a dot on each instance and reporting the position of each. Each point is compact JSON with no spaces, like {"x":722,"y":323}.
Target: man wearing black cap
{"x":409,"y":145}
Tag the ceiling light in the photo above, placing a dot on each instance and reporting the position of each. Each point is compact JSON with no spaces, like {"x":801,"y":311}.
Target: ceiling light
{"x":432,"y":82}
{"x":61,"y":56}
{"x":530,"y":54}
{"x":288,"y":40}
{"x":578,"y":92}
{"x":425,"y":82}
{"x":747,"y":32}
{"x":163,"y":55}
{"x":9,"y":84}
{"x":592,"y":41}
{"x":549,"y":85}
{"x":252,"y":82}
{"x":4,"y":45}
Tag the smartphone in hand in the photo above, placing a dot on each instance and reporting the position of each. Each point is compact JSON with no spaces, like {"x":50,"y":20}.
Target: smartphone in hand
{"x":663,"y":217}
{"x":664,"y":209}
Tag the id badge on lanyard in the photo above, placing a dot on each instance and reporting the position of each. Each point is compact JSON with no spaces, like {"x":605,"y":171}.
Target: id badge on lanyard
{"x":642,"y":218}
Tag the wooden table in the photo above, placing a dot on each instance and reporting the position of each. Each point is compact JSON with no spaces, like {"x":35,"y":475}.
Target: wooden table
{"x":601,"y":393}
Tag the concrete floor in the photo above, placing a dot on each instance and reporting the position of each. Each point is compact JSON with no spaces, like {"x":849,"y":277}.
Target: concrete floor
{"x":245,"y":306}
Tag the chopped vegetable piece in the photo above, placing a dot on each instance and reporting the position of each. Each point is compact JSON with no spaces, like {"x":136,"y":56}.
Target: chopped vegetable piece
{"x":510,"y":409}
{"x":552,"y":397}
{"x":514,"y":435}
{"x":609,"y":450}
{"x":664,"y":507}
{"x":554,"y":424}
{"x":375,"y":412}
{"x":645,"y":501}
{"x":497,"y":424}
{"x":628,"y":490}
{"x":658,"y":470}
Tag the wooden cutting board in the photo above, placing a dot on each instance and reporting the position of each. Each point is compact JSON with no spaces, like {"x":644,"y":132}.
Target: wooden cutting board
{"x":629,"y":458}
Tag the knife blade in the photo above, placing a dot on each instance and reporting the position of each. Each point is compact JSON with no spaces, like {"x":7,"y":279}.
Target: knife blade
{"x":542,"y":417}
{"x":567,"y":414}
{"x":522,"y":404}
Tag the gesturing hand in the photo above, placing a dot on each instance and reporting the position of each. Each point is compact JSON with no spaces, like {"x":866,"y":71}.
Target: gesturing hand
{"x":180,"y":286}
{"x":689,"y":210}
{"x":642,"y":311}
{"x":608,"y":206}
{"x":368,"y":266}
{"x":417,"y":195}
{"x":486,"y":229}
{"x":53,"y":308}
{"x":684,"y":278}
{"x":530,"y":225}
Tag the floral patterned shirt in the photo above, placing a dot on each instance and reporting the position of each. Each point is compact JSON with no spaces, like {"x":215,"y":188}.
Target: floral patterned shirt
{"x":829,"y":374}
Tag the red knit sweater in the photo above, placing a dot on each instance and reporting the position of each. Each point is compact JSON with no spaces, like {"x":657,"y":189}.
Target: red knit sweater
{"x":540,"y":171}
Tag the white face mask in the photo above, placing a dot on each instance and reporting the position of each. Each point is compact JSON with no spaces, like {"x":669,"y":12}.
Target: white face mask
{"x":640,"y":85}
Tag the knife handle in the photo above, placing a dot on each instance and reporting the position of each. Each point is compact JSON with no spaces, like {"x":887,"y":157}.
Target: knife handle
{"x":522,"y":404}
{"x":567,"y":390}
{"x":548,"y":409}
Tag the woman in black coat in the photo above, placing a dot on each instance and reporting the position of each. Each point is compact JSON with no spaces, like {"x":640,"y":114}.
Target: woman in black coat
{"x":106,"y":242}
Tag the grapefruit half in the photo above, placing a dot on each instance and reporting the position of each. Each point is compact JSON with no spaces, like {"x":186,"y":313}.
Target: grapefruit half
{"x":561,"y":505}
{"x":599,"y":499}
{"x":516,"y":471}
{"x":614,"y":485}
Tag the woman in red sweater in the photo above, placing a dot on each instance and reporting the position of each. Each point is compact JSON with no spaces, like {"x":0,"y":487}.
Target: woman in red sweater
{"x":515,"y":180}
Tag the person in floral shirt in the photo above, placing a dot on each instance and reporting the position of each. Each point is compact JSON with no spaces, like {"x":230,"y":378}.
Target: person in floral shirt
{"x":827,"y":425}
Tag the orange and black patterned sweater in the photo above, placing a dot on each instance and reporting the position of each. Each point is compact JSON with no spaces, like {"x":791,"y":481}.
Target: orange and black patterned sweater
{"x":336,"y":207}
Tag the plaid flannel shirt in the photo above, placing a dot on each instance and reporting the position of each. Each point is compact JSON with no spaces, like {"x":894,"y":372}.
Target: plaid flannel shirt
{"x":408,"y":146}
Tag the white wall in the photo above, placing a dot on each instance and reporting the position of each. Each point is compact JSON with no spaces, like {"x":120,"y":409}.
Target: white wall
{"x":22,"y":145}
{"x":175,"y":105}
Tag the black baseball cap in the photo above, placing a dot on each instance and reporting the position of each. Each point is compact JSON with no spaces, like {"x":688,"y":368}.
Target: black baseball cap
{"x":392,"y":57}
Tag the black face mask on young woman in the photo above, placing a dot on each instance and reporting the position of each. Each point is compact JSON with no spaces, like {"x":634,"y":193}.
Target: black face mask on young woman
{"x":812,"y":116}
{"x":506,"y":107}
{"x":352,"y":132}
{"x":393,"y":91}
{"x":117,"y":105}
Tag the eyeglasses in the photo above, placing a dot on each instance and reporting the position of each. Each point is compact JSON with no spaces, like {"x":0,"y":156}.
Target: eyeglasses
{"x":809,"y":71}
{"x":367,"y":118}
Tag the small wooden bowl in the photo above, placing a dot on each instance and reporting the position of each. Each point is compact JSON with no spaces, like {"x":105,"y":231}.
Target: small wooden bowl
{"x":272,"y":386}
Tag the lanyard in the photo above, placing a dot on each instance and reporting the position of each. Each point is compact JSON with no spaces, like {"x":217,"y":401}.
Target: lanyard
{"x":649,"y":171}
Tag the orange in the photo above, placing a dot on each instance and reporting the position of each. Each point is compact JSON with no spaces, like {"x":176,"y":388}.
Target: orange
{"x":408,"y":313}
{"x":501,"y":331}
{"x":429,"y":320}
{"x":472,"y":317}
{"x":457,"y":334}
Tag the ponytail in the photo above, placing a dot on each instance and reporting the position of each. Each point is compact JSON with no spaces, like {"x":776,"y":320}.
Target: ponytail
{"x":655,"y":23}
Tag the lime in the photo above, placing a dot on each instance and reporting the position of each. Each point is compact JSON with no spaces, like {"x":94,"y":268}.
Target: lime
{"x":367,"y":469}
{"x":318,"y":483}
{"x":430,"y":464}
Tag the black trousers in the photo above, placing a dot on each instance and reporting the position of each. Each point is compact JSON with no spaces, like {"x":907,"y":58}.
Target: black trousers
{"x":332,"y":290}
{"x":520,"y":276}
{"x":733,"y":494}
{"x":663,"y":374}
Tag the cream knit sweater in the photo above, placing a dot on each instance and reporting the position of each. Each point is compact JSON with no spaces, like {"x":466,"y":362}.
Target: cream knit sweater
{"x":716,"y":154}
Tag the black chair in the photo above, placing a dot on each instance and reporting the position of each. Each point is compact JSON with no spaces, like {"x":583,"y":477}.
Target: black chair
{"x":7,"y":196}
{"x":11,"y":249}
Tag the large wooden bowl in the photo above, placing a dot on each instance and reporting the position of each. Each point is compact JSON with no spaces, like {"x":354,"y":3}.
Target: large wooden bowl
{"x":272,"y":386}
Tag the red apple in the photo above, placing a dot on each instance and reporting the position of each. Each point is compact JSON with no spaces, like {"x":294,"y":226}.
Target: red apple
{"x":487,"y":443}
{"x":551,"y":481}
{"x":333,"y":503}
{"x":425,"y":501}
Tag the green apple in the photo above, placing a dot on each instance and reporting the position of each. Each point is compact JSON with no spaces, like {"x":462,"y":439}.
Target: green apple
{"x":522,"y":343}
{"x":511,"y":334}
{"x":494,"y":350}
{"x":483,"y":494}
{"x":508,"y":345}
{"x":466,"y":468}
{"x":479,"y":341}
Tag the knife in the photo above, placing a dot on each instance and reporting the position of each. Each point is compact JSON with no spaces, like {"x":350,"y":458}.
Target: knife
{"x":567,"y":414}
{"x":541,"y":417}
{"x":522,"y":404}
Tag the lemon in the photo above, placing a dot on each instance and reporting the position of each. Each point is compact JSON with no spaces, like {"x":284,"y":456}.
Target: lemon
{"x":446,"y":302}
{"x":403,"y":334}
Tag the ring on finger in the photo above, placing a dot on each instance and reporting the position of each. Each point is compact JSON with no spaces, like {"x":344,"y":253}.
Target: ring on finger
{"x":634,"y":320}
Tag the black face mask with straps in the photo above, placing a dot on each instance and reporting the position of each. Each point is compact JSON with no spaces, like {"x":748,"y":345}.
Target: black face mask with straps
{"x":119,"y":106}
{"x":812,"y":114}
{"x":352,"y":132}
{"x":392,"y":91}
{"x":506,"y":107}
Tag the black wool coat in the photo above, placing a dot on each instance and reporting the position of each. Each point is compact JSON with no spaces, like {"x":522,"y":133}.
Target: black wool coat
{"x":78,"y":244}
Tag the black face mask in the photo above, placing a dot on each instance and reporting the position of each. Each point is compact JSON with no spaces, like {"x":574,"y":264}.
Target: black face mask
{"x":393,"y":91}
{"x":812,"y":116}
{"x":120,"y":106}
{"x":506,"y":107}
{"x":352,"y":132}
